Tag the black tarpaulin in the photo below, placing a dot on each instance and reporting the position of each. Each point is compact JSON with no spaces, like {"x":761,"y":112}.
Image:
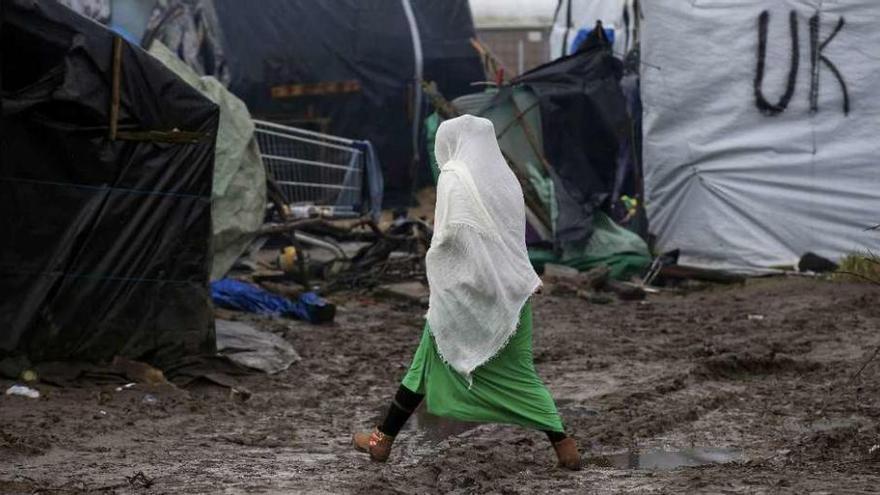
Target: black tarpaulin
{"x":586,"y":128}
{"x":348,"y":68}
{"x":104,"y":248}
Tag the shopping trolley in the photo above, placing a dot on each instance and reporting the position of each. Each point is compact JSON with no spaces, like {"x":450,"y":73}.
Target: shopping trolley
{"x":316,"y":172}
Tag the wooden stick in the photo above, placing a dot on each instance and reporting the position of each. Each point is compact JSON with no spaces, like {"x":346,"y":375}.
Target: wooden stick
{"x":117,"y":76}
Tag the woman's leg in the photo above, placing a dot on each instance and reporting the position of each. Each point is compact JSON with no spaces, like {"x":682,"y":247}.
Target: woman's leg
{"x":555,"y":436}
{"x":404,"y":404}
{"x":378,"y":442}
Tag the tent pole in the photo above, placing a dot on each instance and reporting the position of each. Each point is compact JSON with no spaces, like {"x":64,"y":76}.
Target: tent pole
{"x":417,"y":88}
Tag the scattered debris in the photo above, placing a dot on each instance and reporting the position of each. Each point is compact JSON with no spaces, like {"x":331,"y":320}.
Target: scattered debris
{"x":812,"y":262}
{"x":23,"y":391}
{"x":414,"y":292}
{"x":682,"y":272}
{"x":150,"y":400}
{"x":626,"y":291}
{"x":29,"y":376}
{"x":140,"y":479}
{"x":139,"y":372}
{"x":253,"y":348}
{"x":235,"y":294}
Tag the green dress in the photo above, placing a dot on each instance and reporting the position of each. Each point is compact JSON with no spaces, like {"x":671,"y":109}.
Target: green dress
{"x":506,"y":389}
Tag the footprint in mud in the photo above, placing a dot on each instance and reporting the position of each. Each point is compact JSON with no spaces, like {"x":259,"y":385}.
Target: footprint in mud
{"x":661,"y":460}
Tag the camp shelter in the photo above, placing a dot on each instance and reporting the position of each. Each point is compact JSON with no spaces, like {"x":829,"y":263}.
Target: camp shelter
{"x":107,"y":228}
{"x":760,"y":130}
{"x":574,"y":20}
{"x":238,"y":205}
{"x":348,"y":67}
{"x":565,"y":131}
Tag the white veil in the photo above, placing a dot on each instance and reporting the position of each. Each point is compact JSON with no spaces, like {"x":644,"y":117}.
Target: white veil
{"x":478,"y":267}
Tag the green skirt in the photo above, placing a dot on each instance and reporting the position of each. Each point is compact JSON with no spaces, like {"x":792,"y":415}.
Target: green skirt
{"x":505,"y":390}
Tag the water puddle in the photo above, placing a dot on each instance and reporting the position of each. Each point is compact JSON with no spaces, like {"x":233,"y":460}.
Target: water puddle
{"x":659,"y":460}
{"x":435,"y":429}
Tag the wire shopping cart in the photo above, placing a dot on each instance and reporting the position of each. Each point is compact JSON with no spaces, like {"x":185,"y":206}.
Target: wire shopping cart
{"x":314,"y":170}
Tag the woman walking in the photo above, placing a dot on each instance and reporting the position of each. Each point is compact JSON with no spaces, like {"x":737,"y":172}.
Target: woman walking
{"x":474,"y":362}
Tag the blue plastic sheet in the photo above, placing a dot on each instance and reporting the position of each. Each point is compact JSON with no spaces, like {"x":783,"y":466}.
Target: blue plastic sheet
{"x":234,"y":294}
{"x":584,"y":33}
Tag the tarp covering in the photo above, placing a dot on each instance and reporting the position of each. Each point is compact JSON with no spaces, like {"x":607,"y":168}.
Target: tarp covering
{"x":105,"y":248}
{"x":239,"y":192}
{"x":241,"y":296}
{"x":98,"y":10}
{"x":517,"y":121}
{"x":348,"y":68}
{"x":574,"y":17}
{"x":585,"y":128}
{"x":755,"y":151}
{"x":258,"y":349}
{"x":611,"y":245}
{"x":190,"y":29}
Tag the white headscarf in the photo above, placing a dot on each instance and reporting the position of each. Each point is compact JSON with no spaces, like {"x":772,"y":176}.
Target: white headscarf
{"x":478,"y":267}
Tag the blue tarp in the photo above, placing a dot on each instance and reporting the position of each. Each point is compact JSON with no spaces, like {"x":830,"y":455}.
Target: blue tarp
{"x":375,"y":184}
{"x":234,"y":294}
{"x":582,"y":35}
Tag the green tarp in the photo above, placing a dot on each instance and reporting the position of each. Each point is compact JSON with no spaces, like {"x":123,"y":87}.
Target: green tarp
{"x":611,"y":245}
{"x":517,"y":124}
{"x":238,"y":200}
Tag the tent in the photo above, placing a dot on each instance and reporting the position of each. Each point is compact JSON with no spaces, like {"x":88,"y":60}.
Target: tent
{"x":565,"y":130}
{"x":348,"y":67}
{"x":574,"y":20}
{"x":760,"y":130}
{"x":105,"y":208}
{"x":238,"y":205}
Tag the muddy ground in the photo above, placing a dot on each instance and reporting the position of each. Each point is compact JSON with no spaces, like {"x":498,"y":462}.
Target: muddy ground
{"x":677,"y":371}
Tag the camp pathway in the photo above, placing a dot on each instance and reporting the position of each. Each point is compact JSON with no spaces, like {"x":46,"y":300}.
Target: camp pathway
{"x":759,"y":375}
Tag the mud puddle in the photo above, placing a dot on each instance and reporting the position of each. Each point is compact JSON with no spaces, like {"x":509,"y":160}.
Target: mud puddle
{"x":661,"y":460}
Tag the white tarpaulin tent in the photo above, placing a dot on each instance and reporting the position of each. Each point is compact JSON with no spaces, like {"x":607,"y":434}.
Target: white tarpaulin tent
{"x":754,"y":152}
{"x":573,"y":15}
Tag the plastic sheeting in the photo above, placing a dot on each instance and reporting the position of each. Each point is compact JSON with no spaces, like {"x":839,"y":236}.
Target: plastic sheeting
{"x":585,"y":127}
{"x":517,"y":121}
{"x":742,"y":171}
{"x":245,"y":345}
{"x":105,"y":245}
{"x":241,"y":296}
{"x":611,"y":245}
{"x":190,"y":28}
{"x":99,"y":10}
{"x":347,"y":68}
{"x":239,"y":193}
{"x":576,"y":16}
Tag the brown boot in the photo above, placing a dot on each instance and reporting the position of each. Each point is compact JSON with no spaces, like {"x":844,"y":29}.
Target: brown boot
{"x":377,"y":444}
{"x":567,"y":453}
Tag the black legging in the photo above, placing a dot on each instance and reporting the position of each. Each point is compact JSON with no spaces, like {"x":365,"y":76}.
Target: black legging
{"x":405,"y":403}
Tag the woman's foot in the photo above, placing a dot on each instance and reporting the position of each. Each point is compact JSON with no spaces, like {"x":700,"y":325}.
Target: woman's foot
{"x":567,"y":453}
{"x":377,"y":444}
